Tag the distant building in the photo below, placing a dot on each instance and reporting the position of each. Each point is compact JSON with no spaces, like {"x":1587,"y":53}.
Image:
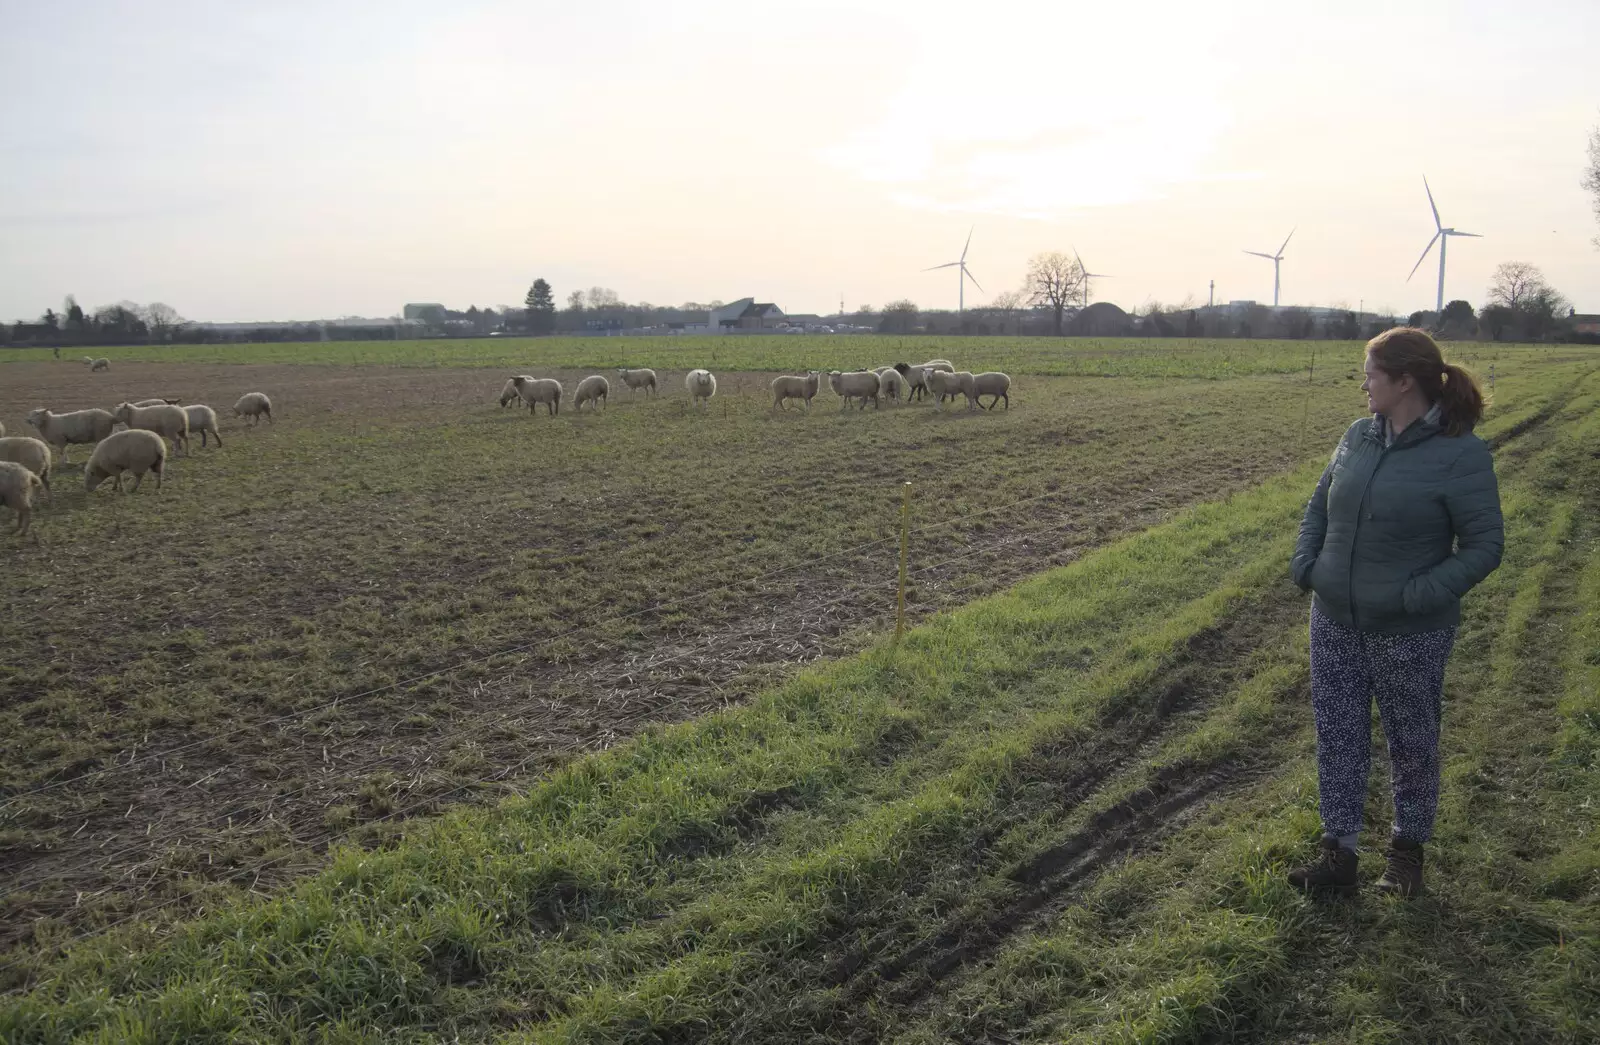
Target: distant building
{"x":745,"y":314}
{"x":1584,"y":324}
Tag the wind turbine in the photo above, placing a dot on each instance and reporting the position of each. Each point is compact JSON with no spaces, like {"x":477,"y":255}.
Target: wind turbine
{"x":1087,"y":276}
{"x":962,"y":276}
{"x":1442,"y":237}
{"x":1276,"y":259}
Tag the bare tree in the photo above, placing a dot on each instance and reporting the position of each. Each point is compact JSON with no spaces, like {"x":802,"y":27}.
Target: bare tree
{"x":1527,"y":299}
{"x":163,"y":320}
{"x":1513,"y":283}
{"x":1054,"y":281}
{"x":1591,"y":175}
{"x":899,"y":317}
{"x":1008,"y":306}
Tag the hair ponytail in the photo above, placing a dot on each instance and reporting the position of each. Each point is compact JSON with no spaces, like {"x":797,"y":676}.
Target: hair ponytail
{"x":1460,"y":400}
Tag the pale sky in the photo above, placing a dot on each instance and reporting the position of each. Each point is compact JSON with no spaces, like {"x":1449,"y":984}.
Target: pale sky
{"x":310,"y":160}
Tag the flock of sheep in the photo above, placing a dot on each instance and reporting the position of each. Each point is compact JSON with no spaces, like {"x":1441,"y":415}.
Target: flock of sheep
{"x":901,"y":382}
{"x":137,"y":449}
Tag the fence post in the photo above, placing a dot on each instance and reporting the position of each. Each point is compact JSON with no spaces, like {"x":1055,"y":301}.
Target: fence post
{"x":905,"y":536}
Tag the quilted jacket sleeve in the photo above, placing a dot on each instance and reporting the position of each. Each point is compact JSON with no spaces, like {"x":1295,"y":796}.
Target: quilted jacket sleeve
{"x":1472,"y":497}
{"x":1314,"y":525}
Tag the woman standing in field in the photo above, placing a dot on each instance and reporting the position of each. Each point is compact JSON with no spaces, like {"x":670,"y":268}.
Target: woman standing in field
{"x":1404,"y":521}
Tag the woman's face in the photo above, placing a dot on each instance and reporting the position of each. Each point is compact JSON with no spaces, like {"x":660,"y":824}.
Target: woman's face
{"x":1384,"y":393}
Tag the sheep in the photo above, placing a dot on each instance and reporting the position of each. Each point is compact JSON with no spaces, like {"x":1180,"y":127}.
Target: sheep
{"x":857,"y":384}
{"x":135,"y":450}
{"x":642,"y":377}
{"x":2,"y":429}
{"x":891,"y":385}
{"x":169,"y":421}
{"x":536,"y":390}
{"x":32,"y":454}
{"x":940,"y":364}
{"x":702,"y":385}
{"x":592,"y":389}
{"x":992,"y":383}
{"x":79,"y":426}
{"x":158,"y":402}
{"x":916,"y":380}
{"x":508,"y":392}
{"x":203,"y":419}
{"x":788,"y":387}
{"x":16,"y":492}
{"x":948,"y":385}
{"x":253,"y":405}
{"x":96,"y":364}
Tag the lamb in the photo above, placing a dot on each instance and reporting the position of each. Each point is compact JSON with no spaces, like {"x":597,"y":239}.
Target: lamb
{"x":79,"y":426}
{"x":592,"y":389}
{"x":508,"y":393}
{"x":857,"y":384}
{"x":536,"y":390}
{"x":135,"y":450}
{"x":16,"y":492}
{"x":803,"y":388}
{"x":32,"y":454}
{"x":643,"y":377}
{"x":203,"y":419}
{"x":992,"y":383}
{"x":916,"y":380}
{"x":891,"y":385}
{"x":948,"y":385}
{"x":253,"y":405}
{"x":169,"y":421}
{"x":702,"y":385}
{"x":96,"y":364}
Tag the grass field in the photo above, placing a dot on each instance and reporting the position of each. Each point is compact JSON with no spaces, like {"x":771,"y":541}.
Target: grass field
{"x":1061,"y":811}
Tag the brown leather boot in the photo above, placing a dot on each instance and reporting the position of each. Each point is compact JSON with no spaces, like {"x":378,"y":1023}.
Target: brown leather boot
{"x":1403,"y":875}
{"x":1333,"y":871}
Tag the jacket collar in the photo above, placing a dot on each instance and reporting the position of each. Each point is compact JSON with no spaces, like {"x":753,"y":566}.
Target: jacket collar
{"x":1421,"y":428}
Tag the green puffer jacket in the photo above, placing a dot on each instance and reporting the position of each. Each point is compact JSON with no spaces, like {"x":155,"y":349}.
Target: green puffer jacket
{"x":1395,"y":535}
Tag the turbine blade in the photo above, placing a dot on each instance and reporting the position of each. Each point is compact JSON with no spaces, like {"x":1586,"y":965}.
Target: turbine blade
{"x":1287,"y":238}
{"x":1474,"y":235}
{"x":1436,"y":222}
{"x":946,"y":265}
{"x":1258,"y":254}
{"x":969,"y":243}
{"x":968,"y":273}
{"x":1077,"y":259}
{"x":1424,"y":257}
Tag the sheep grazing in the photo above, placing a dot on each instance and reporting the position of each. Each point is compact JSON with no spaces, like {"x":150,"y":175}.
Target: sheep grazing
{"x":643,"y":377}
{"x":592,"y":389}
{"x":16,"y":492}
{"x":536,"y":390}
{"x":79,"y":426}
{"x":992,"y":383}
{"x":96,"y":364}
{"x":203,"y":419}
{"x":165,"y":420}
{"x":158,"y":402}
{"x":916,"y":380}
{"x":702,"y":385}
{"x":508,"y":392}
{"x":789,"y":387}
{"x":254,"y":405}
{"x":891,"y":385}
{"x":941,"y":365}
{"x":946,"y":385}
{"x":32,"y":454}
{"x":857,"y":384}
{"x":135,"y":450}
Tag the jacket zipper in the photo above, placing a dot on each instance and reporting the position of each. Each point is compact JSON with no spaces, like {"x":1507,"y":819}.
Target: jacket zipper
{"x":1361,"y":508}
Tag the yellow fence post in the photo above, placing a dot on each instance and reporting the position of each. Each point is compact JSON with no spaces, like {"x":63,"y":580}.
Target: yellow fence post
{"x":905,"y":537}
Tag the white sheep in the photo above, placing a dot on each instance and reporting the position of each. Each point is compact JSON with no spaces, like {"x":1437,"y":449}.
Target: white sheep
{"x":32,"y":454}
{"x":991,"y":383}
{"x":803,"y":388}
{"x":857,"y":384}
{"x":940,"y":364}
{"x":508,"y":392}
{"x":157,"y":402}
{"x":254,"y":405}
{"x":536,"y":390}
{"x":165,"y":420}
{"x":592,"y":389}
{"x":203,"y":419}
{"x":948,"y":385}
{"x":642,"y":377}
{"x":96,"y":364}
{"x":891,"y":385}
{"x":135,"y":450}
{"x":79,"y":426}
{"x":16,"y":492}
{"x":702,"y":385}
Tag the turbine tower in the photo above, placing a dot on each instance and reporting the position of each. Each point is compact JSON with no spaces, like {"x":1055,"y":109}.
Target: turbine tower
{"x":1087,"y":276}
{"x":961,"y":277}
{"x":1442,"y":237}
{"x":1276,"y":259}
